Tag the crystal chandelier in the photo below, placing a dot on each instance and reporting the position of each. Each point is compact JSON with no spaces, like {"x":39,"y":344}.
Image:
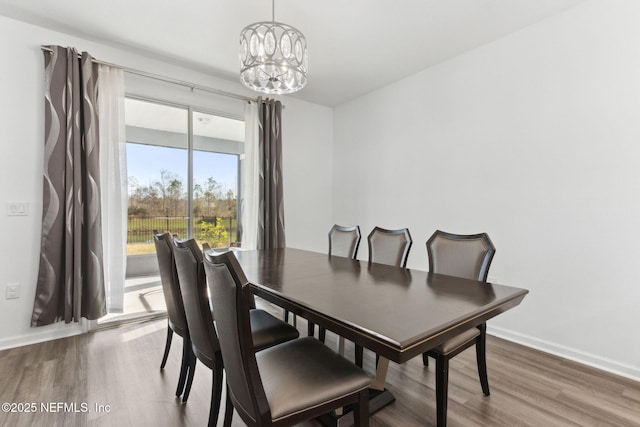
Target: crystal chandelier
{"x":273,"y":57}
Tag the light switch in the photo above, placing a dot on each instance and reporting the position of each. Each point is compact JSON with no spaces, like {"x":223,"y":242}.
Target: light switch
{"x":17,"y":208}
{"x":13,"y":291}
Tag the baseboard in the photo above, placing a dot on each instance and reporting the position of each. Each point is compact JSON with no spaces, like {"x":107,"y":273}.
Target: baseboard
{"x":598,"y":362}
{"x":46,"y":335}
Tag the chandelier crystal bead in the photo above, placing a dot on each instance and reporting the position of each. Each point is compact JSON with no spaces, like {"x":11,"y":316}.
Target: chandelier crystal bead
{"x":273,"y":58}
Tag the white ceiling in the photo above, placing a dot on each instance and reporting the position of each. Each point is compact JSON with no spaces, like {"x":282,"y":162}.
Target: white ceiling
{"x":355,"y":46}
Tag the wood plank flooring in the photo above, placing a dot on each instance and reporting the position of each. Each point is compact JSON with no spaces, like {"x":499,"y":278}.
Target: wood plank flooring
{"x":120,"y":368}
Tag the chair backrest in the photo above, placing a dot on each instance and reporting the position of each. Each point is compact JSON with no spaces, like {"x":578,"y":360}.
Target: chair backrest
{"x":468,"y":256}
{"x":344,"y":241}
{"x":196,"y":300}
{"x":170,"y":285}
{"x":389,"y":246}
{"x":206,"y":248}
{"x":231,"y":297}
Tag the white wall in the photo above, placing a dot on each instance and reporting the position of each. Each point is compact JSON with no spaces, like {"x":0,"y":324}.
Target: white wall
{"x":307,"y":158}
{"x":534,"y":139}
{"x":306,"y":144}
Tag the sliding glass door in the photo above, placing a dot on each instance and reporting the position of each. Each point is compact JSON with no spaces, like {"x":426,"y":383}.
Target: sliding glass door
{"x":183,"y":178}
{"x":218,"y":143}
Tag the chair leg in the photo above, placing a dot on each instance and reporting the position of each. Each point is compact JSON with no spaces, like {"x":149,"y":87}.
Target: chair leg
{"x":442,"y":390}
{"x":167,"y":346}
{"x":311,"y":328}
{"x":359,"y":355}
{"x":228,"y":410}
{"x":481,"y":357}
{"x":190,"y":375}
{"x":322,"y":334}
{"x":341,"y":346}
{"x":184,"y":368}
{"x":425,"y":359}
{"x":286,"y":316}
{"x":361,"y":409}
{"x":216,"y":391}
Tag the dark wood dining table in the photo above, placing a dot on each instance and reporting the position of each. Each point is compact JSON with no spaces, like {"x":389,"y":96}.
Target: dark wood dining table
{"x":398,"y":313}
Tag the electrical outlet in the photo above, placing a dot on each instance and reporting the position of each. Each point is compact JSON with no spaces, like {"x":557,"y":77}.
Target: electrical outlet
{"x":13,"y":291}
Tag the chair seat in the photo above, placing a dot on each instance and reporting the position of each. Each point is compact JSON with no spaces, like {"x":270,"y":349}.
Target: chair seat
{"x":304,"y":373}
{"x":268,"y":330}
{"x":457,"y":341}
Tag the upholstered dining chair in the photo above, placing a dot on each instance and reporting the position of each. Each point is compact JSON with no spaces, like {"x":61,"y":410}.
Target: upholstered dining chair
{"x":177,"y":321}
{"x":389,"y":247}
{"x":343,"y":241}
{"x":287,"y":383}
{"x":469,"y":257}
{"x":266,"y":330}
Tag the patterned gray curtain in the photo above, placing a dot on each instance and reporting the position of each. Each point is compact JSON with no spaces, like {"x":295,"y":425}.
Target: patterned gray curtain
{"x":271,"y":200}
{"x":70,"y":278}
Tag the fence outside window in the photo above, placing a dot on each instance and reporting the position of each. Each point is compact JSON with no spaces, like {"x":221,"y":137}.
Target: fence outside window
{"x":218,"y":232}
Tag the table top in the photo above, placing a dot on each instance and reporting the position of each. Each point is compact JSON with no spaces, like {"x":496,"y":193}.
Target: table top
{"x":398,"y":313}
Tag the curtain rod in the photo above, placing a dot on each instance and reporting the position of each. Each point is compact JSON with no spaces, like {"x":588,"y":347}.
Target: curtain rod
{"x":167,"y":79}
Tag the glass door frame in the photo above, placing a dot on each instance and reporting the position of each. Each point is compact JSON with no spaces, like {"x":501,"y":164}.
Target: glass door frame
{"x":94,"y":325}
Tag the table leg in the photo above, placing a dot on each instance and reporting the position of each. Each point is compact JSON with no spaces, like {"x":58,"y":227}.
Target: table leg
{"x":379,"y":397}
{"x":344,"y":416}
{"x":381,"y":374}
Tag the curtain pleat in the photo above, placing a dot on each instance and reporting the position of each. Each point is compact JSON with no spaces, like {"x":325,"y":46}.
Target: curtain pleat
{"x":270,"y":188}
{"x":70,"y":277}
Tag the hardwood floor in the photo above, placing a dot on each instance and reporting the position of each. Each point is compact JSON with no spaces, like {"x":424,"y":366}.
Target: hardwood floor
{"x":120,"y":368}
